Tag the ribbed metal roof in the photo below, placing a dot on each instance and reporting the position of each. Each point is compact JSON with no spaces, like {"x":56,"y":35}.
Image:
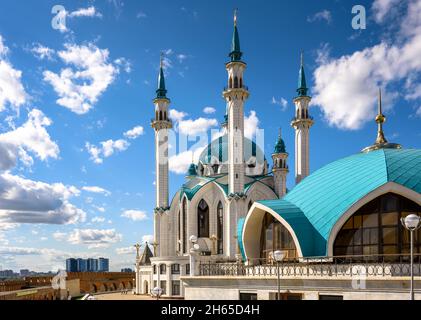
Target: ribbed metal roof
{"x":325,"y":195}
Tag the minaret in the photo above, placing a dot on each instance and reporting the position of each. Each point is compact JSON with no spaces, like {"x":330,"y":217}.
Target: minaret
{"x":280,"y":167}
{"x":381,"y":142}
{"x":161,"y":124}
{"x":302,"y":123}
{"x":235,"y":95}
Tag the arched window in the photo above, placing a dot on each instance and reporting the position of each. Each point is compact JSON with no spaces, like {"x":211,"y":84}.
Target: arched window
{"x":220,"y":227}
{"x":274,"y":237}
{"x":184,"y":211}
{"x":179,"y":231}
{"x":165,"y":115}
{"x":241,"y":82}
{"x":375,"y":229}
{"x":160,"y":115}
{"x":157,"y":115}
{"x":235,"y":82}
{"x":203,"y":219}
{"x":230,"y":83}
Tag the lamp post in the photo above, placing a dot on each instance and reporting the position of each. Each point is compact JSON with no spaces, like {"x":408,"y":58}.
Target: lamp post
{"x":279,"y":256}
{"x":412,"y":223}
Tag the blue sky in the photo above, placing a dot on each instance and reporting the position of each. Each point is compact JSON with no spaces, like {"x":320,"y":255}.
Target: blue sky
{"x":77,"y":150}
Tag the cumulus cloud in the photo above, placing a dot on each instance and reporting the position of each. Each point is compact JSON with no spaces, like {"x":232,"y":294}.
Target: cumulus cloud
{"x":176,"y":115}
{"x":135,"y":215}
{"x":193,"y":127}
{"x":346,"y":87}
{"x":96,"y":189}
{"x":134,"y":133}
{"x":41,"y":52}
{"x":12,"y":92}
{"x":27,"y":201}
{"x":320,"y":16}
{"x":88,"y":75}
{"x":32,"y":137}
{"x":94,"y":238}
{"x":209,"y":110}
{"x":179,"y":163}
{"x":148,"y":238}
{"x":125,"y":250}
{"x":251,"y":125}
{"x":98,"y":219}
{"x":383,"y":7}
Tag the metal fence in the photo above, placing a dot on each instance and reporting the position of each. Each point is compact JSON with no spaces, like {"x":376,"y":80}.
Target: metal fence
{"x":346,"y":266}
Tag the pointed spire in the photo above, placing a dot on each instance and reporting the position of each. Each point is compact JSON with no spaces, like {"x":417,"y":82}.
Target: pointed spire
{"x":381,"y":142}
{"x":161,"y":92}
{"x":380,"y":119}
{"x":236,"y":53}
{"x":280,"y":144}
{"x":302,"y":84}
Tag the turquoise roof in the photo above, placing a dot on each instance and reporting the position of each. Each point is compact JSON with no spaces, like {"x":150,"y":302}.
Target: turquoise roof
{"x":192,"y":170}
{"x":235,"y":53}
{"x":280,"y":146}
{"x":326,"y":194}
{"x":302,"y":84}
{"x":161,"y":92}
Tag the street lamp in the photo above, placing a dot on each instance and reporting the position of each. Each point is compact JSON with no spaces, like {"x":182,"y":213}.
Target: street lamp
{"x":278,"y":255}
{"x":412,"y":223}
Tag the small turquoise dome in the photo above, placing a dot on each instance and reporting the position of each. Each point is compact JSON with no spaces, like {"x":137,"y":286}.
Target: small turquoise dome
{"x":280,"y":146}
{"x":192,"y":170}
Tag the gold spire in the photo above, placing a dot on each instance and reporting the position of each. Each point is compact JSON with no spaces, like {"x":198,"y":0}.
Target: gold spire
{"x":380,"y":119}
{"x":381,"y":142}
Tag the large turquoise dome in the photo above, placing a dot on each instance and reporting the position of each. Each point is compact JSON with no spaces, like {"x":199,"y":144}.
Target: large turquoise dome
{"x":314,"y":206}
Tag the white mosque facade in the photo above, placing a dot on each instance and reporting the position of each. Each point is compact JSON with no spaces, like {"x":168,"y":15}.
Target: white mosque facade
{"x":216,"y":237}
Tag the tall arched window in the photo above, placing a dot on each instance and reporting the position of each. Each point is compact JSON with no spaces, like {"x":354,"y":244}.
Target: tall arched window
{"x":160,"y":115}
{"x":375,"y":229}
{"x":220,"y":227}
{"x":184,"y":214}
{"x":274,"y":237}
{"x":203,"y":219}
{"x":165,"y":115}
{"x":179,"y":231}
{"x":235,"y":82}
{"x":241,"y":82}
{"x":230,"y":83}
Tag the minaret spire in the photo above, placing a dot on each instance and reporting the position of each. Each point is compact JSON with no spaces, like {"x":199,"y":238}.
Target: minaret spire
{"x":235,"y":53}
{"x":280,"y":167}
{"x":381,"y":142}
{"x":302,"y":123}
{"x":161,"y":92}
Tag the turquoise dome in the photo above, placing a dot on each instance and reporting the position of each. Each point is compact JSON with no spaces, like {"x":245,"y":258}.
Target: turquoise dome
{"x":218,"y":150}
{"x":314,"y":206}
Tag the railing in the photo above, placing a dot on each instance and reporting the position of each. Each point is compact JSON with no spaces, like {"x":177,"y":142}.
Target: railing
{"x":302,"y":118}
{"x":238,"y":87}
{"x":339,"y":266}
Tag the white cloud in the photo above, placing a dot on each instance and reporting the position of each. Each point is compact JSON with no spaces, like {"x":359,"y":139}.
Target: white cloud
{"x":27,"y":201}
{"x":124,"y":63}
{"x":141,"y":14}
{"x":96,"y":189}
{"x":179,"y":163}
{"x":125,"y":250}
{"x":251,"y":125}
{"x":181,"y":57}
{"x":148,"y":238}
{"x":59,"y":236}
{"x":209,"y":110}
{"x":107,"y":149}
{"x":94,"y":238}
{"x":134,"y":133}
{"x":346,"y":87}
{"x":41,"y":52}
{"x":12,"y":92}
{"x":98,"y":219}
{"x":79,"y":88}
{"x":382,"y":7}
{"x":100,"y":209}
{"x":30,"y":137}
{"x":194,"y":127}
{"x":135,"y":215}
{"x":177,"y":115}
{"x":322,"y":15}
{"x":282,"y":102}
{"x":85,"y":12}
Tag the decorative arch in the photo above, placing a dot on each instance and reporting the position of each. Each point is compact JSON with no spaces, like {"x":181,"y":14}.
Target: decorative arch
{"x":203,"y":219}
{"x":390,"y":187}
{"x":253,"y":225}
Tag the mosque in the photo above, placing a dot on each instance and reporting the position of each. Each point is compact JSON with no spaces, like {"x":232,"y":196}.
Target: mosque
{"x":339,"y":229}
